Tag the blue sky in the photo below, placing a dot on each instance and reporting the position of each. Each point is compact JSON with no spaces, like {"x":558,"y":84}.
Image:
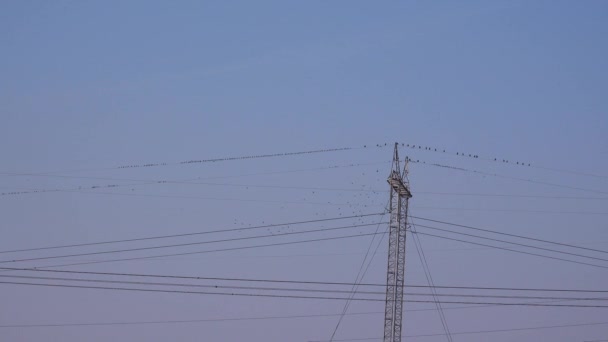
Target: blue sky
{"x":89,"y":85}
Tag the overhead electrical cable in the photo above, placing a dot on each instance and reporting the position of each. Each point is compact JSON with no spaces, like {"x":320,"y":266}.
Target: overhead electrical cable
{"x":497,"y":160}
{"x":305,"y":282}
{"x":560,"y":212}
{"x":51,"y":325}
{"x":296,"y":297}
{"x":512,"y":243}
{"x":508,"y":195}
{"x":315,"y":151}
{"x":197,"y":182}
{"x":84,"y":188}
{"x":534,"y":181}
{"x":187,"y":244}
{"x":255,"y":318}
{"x":358,"y":279}
{"x":210,"y":160}
{"x":209,"y":251}
{"x":194,"y":233}
{"x":311,"y":290}
{"x":485,"y":331}
{"x":429,"y":278}
{"x":513,"y":250}
{"x":508,"y":234}
{"x":210,"y":320}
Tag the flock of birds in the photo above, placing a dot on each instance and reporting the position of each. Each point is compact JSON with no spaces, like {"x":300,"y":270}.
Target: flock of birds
{"x":353,"y":203}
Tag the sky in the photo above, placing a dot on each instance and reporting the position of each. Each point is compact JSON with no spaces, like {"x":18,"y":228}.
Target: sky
{"x":89,"y":86}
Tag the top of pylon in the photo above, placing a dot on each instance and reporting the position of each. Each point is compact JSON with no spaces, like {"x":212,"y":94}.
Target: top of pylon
{"x":396,"y":177}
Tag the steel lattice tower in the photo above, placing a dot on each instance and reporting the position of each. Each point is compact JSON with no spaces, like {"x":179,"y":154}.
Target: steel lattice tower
{"x":400,"y":194}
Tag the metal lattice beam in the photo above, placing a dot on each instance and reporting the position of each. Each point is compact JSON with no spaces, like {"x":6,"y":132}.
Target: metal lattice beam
{"x":395,"y":274}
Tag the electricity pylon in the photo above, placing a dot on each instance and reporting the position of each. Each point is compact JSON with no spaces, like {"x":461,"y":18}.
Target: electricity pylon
{"x":400,"y":195}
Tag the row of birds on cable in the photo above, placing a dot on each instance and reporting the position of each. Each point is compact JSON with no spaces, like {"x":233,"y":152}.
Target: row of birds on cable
{"x":432,"y":149}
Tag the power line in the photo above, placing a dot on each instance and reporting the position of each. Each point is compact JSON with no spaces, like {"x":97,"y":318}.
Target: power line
{"x":246,"y":200}
{"x":296,"y":297}
{"x":508,"y":195}
{"x":211,"y":160}
{"x":210,"y":251}
{"x":513,"y":243}
{"x":429,"y":278}
{"x":501,"y":160}
{"x":84,"y":192}
{"x":261,"y":156}
{"x":354,"y":288}
{"x":561,"y":212}
{"x":305,"y":282}
{"x":194,"y":233}
{"x":141,"y":182}
{"x":82,"y":189}
{"x":211,"y":286}
{"x":485,"y":331}
{"x":359,"y":277}
{"x":310,"y":290}
{"x":192,"y":182}
{"x":223,"y":159}
{"x":218,"y":286}
{"x":186,"y":292}
{"x":513,"y":250}
{"x":226,"y":319}
{"x":96,"y":192}
{"x":512,"y":235}
{"x":199,"y":320}
{"x":327,"y":150}
{"x":186,"y":244}
{"x":449,"y":167}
